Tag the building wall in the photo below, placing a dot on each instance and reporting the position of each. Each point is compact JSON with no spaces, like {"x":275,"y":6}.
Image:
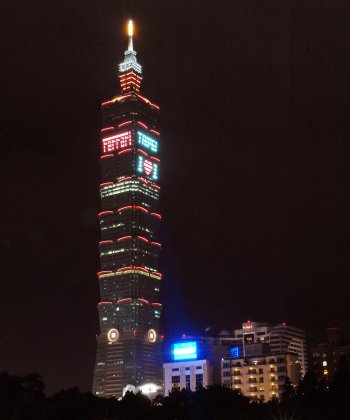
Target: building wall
{"x":175,"y":374}
{"x":260,"y":378}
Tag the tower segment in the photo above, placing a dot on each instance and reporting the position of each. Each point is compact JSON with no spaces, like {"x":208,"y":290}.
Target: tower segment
{"x":128,"y":346}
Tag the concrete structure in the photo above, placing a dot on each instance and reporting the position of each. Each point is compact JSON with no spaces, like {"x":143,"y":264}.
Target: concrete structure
{"x":193,"y":362}
{"x":280,"y":338}
{"x":260,"y":377}
{"x":325,"y":356}
{"x":129,"y":344}
{"x":187,"y":375}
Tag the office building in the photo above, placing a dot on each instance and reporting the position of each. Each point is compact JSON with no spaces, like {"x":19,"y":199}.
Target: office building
{"x":264,"y":338}
{"x":128,"y":346}
{"x":193,"y":362}
{"x":325,"y":356}
{"x":260,"y":377}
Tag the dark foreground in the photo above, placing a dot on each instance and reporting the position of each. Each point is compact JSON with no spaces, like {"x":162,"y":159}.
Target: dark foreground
{"x":24,"y":398}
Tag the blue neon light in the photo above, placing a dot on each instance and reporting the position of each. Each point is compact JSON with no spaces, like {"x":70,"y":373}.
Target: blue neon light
{"x":147,"y":167}
{"x":234,"y":352}
{"x":147,"y":142}
{"x":185,"y":350}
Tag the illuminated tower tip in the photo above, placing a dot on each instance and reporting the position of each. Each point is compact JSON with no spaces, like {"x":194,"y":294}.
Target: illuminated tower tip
{"x":130,"y":33}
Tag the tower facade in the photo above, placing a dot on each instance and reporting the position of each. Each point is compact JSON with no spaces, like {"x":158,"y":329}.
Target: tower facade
{"x":128,"y":346}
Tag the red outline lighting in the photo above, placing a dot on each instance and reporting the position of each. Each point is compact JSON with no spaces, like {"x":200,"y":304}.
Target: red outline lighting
{"x":124,"y":300}
{"x":124,"y":123}
{"x":157,"y":304}
{"x":124,"y":237}
{"x":114,"y":100}
{"x":104,"y":184}
{"x":142,"y":152}
{"x":142,"y":125}
{"x":124,"y":179}
{"x":105,"y":242}
{"x":141,"y":208}
{"x":143,"y":301}
{"x":124,"y":151}
{"x":156,"y":159}
{"x":105,"y":303}
{"x":102,"y":213}
{"x":155,"y":132}
{"x":107,"y":128}
{"x":147,"y":101}
{"x":156,"y":215}
{"x":107,"y":156}
{"x":99,"y":273}
{"x":142,"y":239}
{"x":156,"y":244}
{"x":155,"y":186}
{"x":124,"y":208}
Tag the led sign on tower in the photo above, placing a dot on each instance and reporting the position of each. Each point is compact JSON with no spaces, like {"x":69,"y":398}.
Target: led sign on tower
{"x":147,"y":142}
{"x":116,"y":142}
{"x":185,"y":350}
{"x":147,"y":167}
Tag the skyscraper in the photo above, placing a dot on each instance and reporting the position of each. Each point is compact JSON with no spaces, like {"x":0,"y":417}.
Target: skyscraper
{"x":128,"y":346}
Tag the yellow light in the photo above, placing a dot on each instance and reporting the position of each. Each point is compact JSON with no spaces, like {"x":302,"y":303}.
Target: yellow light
{"x":325,"y":372}
{"x":130,"y":28}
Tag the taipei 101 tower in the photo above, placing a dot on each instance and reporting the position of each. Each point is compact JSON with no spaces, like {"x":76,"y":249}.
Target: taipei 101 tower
{"x":128,"y":346}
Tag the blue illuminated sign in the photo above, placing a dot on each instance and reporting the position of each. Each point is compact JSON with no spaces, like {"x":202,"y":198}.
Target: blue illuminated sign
{"x":147,"y":142}
{"x":186,"y":350}
{"x":234,"y":352}
{"x":147,"y":167}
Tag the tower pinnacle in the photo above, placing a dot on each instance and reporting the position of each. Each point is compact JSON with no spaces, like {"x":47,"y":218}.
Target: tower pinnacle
{"x":130,"y":71}
{"x":130,"y":33}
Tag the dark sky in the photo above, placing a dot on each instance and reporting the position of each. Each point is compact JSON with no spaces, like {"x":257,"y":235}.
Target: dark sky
{"x":254,"y":100}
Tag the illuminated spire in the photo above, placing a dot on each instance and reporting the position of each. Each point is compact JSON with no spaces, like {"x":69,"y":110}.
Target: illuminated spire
{"x":130,"y":70}
{"x":130,"y":33}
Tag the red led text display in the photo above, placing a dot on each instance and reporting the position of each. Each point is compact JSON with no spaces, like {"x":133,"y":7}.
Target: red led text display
{"x":116,"y":142}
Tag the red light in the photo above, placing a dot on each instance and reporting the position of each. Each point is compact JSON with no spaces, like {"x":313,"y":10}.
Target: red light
{"x":142,"y":239}
{"x":106,"y":156}
{"x":156,"y":244}
{"x":154,"y":158}
{"x":155,"y":132}
{"x":124,"y":151}
{"x":156,"y":215}
{"x":105,"y":242}
{"x":105,"y":303}
{"x":125,"y":123}
{"x":143,"y":301}
{"x":147,"y":101}
{"x":155,"y":186}
{"x":124,"y":300}
{"x":107,"y":128}
{"x":142,"y":124}
{"x":116,"y":142}
{"x":142,"y":152}
{"x":124,"y":208}
{"x":103,"y":213}
{"x":125,"y":179}
{"x":106,"y":183}
{"x":99,"y":273}
{"x":123,"y":238}
{"x":141,"y":208}
{"x":157,"y":304}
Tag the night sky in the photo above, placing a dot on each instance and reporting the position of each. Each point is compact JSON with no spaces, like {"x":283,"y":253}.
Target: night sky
{"x":255,"y":121}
